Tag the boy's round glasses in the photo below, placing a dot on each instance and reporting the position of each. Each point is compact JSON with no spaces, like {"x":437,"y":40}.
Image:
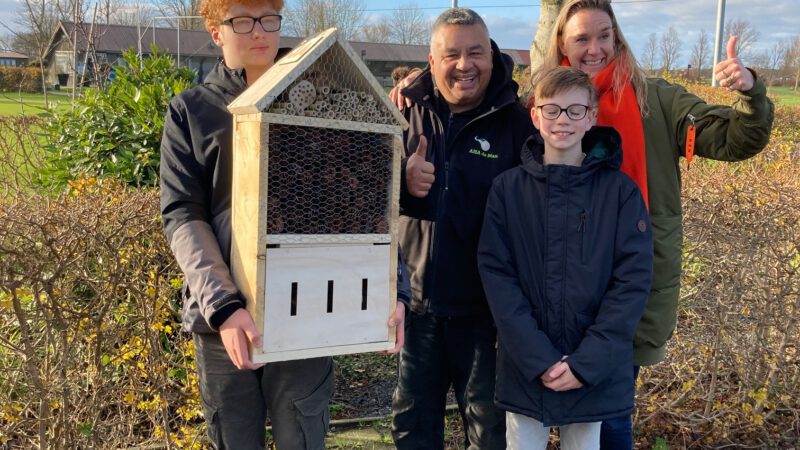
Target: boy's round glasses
{"x":245,"y":24}
{"x":552,"y":111}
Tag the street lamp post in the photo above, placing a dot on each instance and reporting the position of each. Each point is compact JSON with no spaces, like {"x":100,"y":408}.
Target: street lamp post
{"x":718,"y":39}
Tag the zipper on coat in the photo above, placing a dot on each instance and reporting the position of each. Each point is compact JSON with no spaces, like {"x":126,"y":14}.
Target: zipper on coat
{"x":446,"y":175}
{"x":563,"y":301}
{"x":582,"y":231}
{"x":437,"y":218}
{"x":440,"y":205}
{"x":545,"y":325}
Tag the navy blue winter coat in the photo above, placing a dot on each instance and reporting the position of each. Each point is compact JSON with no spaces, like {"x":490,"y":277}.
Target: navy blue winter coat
{"x":566,"y":257}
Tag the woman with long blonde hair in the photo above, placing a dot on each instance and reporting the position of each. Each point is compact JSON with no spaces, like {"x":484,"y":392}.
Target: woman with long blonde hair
{"x":659,"y":123}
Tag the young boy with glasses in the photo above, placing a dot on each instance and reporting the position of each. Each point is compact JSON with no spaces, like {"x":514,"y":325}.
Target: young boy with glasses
{"x":196,"y":151}
{"x":566,"y":261}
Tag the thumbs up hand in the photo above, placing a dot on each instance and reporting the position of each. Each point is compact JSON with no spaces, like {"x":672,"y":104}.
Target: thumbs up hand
{"x":731,"y":73}
{"x":419,"y":172}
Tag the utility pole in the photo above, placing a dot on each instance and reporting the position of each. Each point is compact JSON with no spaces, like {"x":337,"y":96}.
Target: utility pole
{"x":152,"y":23}
{"x":139,"y":34}
{"x":74,"y":74}
{"x":718,"y":39}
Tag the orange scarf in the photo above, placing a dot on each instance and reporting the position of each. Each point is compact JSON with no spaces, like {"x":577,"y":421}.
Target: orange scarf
{"x":624,"y":115}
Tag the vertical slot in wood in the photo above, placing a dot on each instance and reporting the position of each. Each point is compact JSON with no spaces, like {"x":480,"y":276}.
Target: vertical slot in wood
{"x":330,"y":296}
{"x":293,"y":308}
{"x":364,"y":284}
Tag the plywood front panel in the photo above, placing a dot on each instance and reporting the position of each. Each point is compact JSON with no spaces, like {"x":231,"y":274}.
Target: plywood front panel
{"x":317,"y":297}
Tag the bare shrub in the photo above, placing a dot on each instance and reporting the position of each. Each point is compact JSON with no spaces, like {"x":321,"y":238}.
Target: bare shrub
{"x":20,"y":153}
{"x":24,"y":79}
{"x":731,"y":377}
{"x":90,"y":350}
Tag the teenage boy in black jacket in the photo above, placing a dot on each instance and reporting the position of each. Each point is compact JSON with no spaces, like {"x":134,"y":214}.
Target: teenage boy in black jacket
{"x":196,"y":156}
{"x":566,"y":256}
{"x":466,"y":126}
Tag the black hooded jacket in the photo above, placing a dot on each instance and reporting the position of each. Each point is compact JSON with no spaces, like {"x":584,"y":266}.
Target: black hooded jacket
{"x":566,"y":257}
{"x":439,"y":233}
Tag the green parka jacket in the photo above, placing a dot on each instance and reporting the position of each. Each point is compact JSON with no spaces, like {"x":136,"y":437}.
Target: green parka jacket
{"x":725,"y":133}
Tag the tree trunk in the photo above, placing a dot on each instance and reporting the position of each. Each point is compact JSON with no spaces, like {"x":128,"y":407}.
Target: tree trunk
{"x":547,"y":18}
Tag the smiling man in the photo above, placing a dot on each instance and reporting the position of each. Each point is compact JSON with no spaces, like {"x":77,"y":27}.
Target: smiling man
{"x":466,"y":128}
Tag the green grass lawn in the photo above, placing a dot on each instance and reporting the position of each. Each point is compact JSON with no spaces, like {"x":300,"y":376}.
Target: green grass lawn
{"x":13,"y":103}
{"x":785,"y":95}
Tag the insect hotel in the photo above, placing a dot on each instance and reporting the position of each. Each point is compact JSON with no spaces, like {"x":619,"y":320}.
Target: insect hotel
{"x":316,"y":173}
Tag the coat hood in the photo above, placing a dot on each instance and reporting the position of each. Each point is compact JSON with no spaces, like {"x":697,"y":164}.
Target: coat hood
{"x":501,"y":90}
{"x":230,"y":81}
{"x":602,"y":145}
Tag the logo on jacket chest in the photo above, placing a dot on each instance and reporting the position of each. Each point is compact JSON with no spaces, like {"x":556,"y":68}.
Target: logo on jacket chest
{"x":483,"y":149}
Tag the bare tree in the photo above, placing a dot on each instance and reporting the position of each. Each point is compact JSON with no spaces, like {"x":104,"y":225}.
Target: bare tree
{"x":773,"y":59}
{"x":650,"y":53}
{"x":7,"y":41}
{"x":408,"y":25}
{"x":307,"y":17}
{"x":701,"y":52}
{"x":746,"y":36}
{"x":548,"y":11}
{"x":669,"y":48}
{"x":125,"y":12}
{"x":181,"y":8}
{"x":39,"y":19}
{"x":791,"y":64}
{"x":379,"y":32}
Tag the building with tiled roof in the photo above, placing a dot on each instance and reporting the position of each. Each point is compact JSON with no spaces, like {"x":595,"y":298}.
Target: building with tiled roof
{"x":195,"y":49}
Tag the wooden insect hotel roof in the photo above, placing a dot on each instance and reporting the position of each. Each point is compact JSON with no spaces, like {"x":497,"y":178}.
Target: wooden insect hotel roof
{"x":321,"y":78}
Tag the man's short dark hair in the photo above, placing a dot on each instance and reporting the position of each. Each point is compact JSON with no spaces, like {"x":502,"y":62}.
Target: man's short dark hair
{"x":458,"y":16}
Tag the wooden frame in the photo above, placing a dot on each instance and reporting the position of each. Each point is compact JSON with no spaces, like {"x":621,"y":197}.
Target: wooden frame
{"x":286,"y":279}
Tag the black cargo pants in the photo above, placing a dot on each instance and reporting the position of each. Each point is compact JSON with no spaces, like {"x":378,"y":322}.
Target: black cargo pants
{"x":440,"y":352}
{"x":236,"y":403}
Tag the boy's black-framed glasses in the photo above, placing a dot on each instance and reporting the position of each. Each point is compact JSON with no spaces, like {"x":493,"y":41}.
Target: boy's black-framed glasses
{"x":245,"y":24}
{"x":551,"y":111}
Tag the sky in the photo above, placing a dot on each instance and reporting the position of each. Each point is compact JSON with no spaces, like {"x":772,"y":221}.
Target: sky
{"x":514,"y":27}
{"x":512,"y":23}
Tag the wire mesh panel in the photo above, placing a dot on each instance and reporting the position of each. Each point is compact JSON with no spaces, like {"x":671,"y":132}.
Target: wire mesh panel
{"x":332,"y":89}
{"x":328,"y":181}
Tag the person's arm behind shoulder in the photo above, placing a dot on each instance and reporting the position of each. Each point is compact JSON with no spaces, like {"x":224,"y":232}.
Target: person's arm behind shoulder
{"x":396,"y":96}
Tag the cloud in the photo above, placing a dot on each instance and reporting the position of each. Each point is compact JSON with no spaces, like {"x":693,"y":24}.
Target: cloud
{"x":511,"y":32}
{"x":8,"y":15}
{"x":774,"y":20}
